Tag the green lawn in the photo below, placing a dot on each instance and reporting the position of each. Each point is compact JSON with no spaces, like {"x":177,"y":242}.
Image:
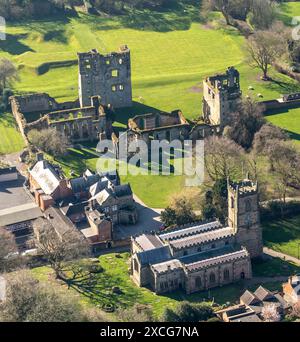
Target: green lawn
{"x":289,"y":120}
{"x":10,"y":139}
{"x":172,"y":51}
{"x":283,"y":235}
{"x":116,"y":273}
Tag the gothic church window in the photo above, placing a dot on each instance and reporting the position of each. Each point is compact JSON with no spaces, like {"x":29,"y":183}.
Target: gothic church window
{"x":198,"y":282}
{"x":212,"y":278}
{"x":226,"y":274}
{"x":232,"y":203}
{"x":115,"y":73}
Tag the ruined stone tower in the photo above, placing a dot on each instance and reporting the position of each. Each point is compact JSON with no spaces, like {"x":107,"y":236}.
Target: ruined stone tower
{"x":243,"y":215}
{"x":221,"y":94}
{"x":107,"y":76}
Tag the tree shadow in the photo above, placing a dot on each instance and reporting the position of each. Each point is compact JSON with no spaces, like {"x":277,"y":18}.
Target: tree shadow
{"x":282,"y":87}
{"x":13,"y":46}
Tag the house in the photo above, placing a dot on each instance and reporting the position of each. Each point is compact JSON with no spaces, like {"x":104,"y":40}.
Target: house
{"x":47,"y":184}
{"x":252,"y":304}
{"x":291,"y":289}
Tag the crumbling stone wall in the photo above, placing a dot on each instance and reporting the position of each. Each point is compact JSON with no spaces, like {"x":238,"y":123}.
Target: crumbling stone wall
{"x":107,"y":76}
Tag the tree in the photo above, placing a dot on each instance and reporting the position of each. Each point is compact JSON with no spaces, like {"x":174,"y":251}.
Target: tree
{"x":8,"y":251}
{"x":237,"y":9}
{"x":8,"y":72}
{"x":187,"y":312}
{"x":59,"y":250}
{"x":270,"y":313}
{"x":263,"y":48}
{"x":263,"y":13}
{"x":50,"y":141}
{"x":245,"y":122}
{"x":266,"y":137}
{"x":27,"y":300}
{"x":296,"y":310}
{"x":223,"y":158}
{"x":180,"y":212}
{"x":285,"y":165}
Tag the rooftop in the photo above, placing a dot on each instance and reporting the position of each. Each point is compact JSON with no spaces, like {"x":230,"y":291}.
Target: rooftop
{"x":202,"y":237}
{"x":20,"y":213}
{"x":147,"y":242}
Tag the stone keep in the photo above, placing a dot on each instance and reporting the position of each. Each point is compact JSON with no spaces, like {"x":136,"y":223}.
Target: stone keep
{"x":221,"y":95}
{"x":107,"y":76}
{"x":244,"y":217}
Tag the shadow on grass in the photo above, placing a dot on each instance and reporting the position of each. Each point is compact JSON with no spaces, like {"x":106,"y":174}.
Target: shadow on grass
{"x":281,"y":231}
{"x":13,"y":45}
{"x":123,"y":115}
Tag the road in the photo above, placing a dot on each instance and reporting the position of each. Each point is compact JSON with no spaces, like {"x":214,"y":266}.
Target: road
{"x":283,"y":256}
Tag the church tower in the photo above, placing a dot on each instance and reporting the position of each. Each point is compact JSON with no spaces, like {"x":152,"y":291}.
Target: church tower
{"x":244,"y":217}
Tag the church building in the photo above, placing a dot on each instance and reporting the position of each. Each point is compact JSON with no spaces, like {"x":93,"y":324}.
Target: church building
{"x":201,"y":256}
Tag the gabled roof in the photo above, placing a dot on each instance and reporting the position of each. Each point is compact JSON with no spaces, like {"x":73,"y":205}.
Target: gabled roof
{"x":148,"y":241}
{"x":99,"y":186}
{"x":123,"y":190}
{"x":249,"y":298}
{"x":82,"y":184}
{"x":263,"y":294}
{"x":46,"y":176}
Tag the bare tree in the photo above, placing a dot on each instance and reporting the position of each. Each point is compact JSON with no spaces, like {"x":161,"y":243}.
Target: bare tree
{"x":28,"y":300}
{"x":223,"y":158}
{"x":245,"y":122}
{"x":285,"y":165}
{"x":266,"y":136}
{"x":50,"y":141}
{"x":263,"y":48}
{"x":8,"y":250}
{"x":8,"y":72}
{"x":59,"y":250}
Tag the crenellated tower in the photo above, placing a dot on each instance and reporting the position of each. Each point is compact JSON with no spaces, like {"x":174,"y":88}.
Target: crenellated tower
{"x":244,"y":216}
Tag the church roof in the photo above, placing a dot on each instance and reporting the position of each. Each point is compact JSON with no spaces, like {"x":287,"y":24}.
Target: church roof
{"x":263,"y":294}
{"x":154,"y":256}
{"x":207,"y":261}
{"x":148,"y":241}
{"x":170,"y":265}
{"x":190,"y":230}
{"x":202,"y":237}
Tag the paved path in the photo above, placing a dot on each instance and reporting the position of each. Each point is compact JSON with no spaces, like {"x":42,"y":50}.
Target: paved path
{"x":265,"y":280}
{"x":283,"y":256}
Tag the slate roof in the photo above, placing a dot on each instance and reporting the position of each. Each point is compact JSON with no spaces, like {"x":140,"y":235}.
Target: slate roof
{"x":8,"y":170}
{"x":154,"y":256}
{"x":170,"y":265}
{"x":123,"y":190}
{"x":82,"y":184}
{"x":147,"y":242}
{"x":20,"y":213}
{"x":99,"y":186}
{"x":249,"y":298}
{"x":46,"y":176}
{"x":217,"y":260}
{"x":263,"y":294}
{"x":190,"y":230}
{"x":201,"y":238}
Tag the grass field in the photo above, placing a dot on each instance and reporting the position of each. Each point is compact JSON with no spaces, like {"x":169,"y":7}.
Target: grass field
{"x":283,"y":235}
{"x":116,"y":273}
{"x":289,"y":120}
{"x":10,"y":139}
{"x":171,"y":51}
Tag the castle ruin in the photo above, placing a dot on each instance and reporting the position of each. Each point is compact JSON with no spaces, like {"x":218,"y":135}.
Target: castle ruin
{"x":107,"y":76}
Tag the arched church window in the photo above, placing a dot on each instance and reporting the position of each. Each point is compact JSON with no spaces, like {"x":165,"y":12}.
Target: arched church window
{"x":226,"y":274}
{"x":212,"y":278}
{"x":135,"y":265}
{"x":232,"y":202}
{"x":198,"y":282}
